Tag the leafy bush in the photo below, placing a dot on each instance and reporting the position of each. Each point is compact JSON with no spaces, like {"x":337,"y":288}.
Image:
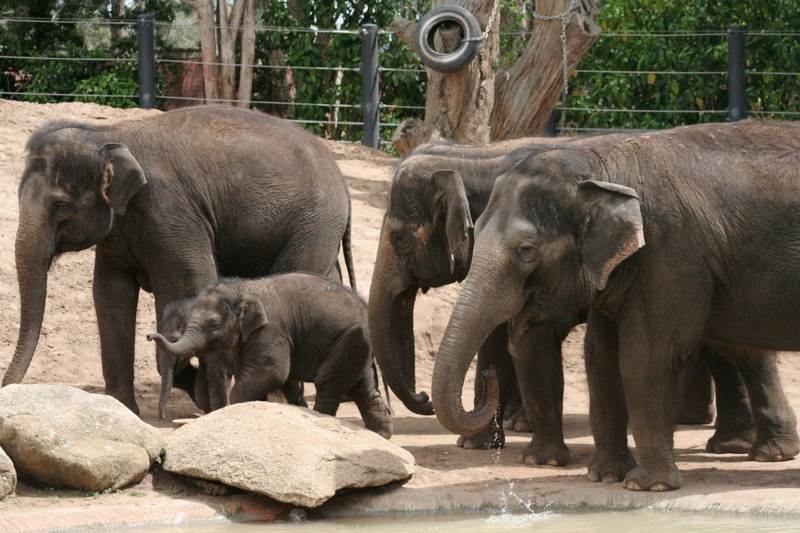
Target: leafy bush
{"x":67,"y":39}
{"x":701,"y":94}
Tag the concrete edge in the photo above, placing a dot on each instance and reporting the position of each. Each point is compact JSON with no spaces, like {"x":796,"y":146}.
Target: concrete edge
{"x":495,"y":496}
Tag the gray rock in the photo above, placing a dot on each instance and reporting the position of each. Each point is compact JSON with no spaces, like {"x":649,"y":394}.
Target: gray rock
{"x":8,"y":476}
{"x":288,"y":453}
{"x":64,"y":437}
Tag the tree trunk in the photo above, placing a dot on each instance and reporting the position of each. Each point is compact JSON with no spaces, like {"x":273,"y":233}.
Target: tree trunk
{"x":475,"y":106}
{"x":229,"y":28}
{"x":526,"y":93}
{"x":248,"y":54}
{"x":458,"y":105}
{"x":219,"y":71}
{"x":208,"y":45}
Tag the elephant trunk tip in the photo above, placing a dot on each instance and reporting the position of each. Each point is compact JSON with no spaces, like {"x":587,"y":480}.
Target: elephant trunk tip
{"x":423,"y":406}
{"x":491,"y":390}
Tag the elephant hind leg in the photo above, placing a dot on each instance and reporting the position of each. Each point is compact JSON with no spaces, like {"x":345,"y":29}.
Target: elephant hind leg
{"x":367,"y":396}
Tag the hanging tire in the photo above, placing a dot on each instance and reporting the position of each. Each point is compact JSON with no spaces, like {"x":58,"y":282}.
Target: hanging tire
{"x":426,"y":31}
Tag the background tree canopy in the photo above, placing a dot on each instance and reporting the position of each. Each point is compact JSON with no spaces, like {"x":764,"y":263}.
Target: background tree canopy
{"x":771,"y":47}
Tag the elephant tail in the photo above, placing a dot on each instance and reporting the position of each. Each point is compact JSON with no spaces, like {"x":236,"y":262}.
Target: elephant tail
{"x":347,"y":251}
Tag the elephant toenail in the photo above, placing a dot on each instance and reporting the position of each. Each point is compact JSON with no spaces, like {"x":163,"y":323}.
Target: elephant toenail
{"x":632,"y":485}
{"x":659,"y":487}
{"x":610,"y":478}
{"x":552,"y":462}
{"x":594,"y":476}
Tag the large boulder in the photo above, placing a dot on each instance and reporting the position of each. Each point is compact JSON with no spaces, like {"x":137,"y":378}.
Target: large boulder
{"x":64,"y":437}
{"x":288,"y":453}
{"x":8,"y":476}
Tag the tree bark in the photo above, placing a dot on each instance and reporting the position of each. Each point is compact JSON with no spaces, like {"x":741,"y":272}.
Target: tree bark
{"x":457,"y":105}
{"x":248,"y":54}
{"x":229,"y":28}
{"x":526,"y":93}
{"x":208,"y":45}
{"x":475,"y":106}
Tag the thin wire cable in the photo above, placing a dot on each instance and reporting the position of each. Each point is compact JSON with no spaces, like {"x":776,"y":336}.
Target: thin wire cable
{"x":603,"y":110}
{"x":390,"y":69}
{"x":57,"y":58}
{"x":6,"y":94}
{"x":264,"y":102}
{"x":659,"y":72}
{"x":294,"y":67}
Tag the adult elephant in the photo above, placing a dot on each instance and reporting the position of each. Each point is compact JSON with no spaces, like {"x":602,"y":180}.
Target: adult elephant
{"x":171,"y":202}
{"x":426,"y":242}
{"x":717,"y":206}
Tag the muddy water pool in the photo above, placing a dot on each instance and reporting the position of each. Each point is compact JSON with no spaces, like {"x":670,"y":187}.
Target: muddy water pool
{"x":542,"y":522}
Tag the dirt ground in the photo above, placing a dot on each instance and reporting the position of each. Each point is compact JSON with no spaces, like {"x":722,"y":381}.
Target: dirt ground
{"x":447,"y":478}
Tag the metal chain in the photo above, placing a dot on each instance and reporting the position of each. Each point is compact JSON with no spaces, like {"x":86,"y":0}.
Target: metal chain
{"x":563,"y":18}
{"x":489,"y":25}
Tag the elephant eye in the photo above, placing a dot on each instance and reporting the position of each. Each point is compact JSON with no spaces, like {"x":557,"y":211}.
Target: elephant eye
{"x":62,"y":210}
{"x":527,"y":252}
{"x":401,"y":240}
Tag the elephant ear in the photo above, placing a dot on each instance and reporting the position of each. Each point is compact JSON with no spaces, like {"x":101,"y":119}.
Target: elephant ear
{"x":123,"y":176}
{"x":451,"y":205}
{"x":613,"y":229}
{"x":253,"y":316}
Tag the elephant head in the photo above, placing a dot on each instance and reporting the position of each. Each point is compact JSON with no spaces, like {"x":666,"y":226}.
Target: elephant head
{"x":425,"y":241}
{"x":211,"y":326}
{"x":551,"y":235}
{"x":73,"y":185}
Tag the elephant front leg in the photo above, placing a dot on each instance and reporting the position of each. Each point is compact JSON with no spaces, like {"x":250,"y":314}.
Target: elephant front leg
{"x":116,"y":296}
{"x":218,"y":373}
{"x":608,"y":413}
{"x":536,"y":350}
{"x":493,"y":352}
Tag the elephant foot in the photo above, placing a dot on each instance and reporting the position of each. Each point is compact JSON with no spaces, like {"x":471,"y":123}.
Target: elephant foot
{"x":611,"y":467}
{"x":550,"y":454}
{"x":775,"y":450}
{"x":642,"y":478}
{"x":125,"y":399}
{"x":731,"y":441}
{"x":491,"y":437}
{"x":378,"y":418}
{"x":518,"y":422}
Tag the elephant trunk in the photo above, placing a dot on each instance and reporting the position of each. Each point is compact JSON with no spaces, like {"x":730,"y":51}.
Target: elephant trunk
{"x":166,"y":363}
{"x":34,"y":252}
{"x":391,"y":325}
{"x":469,"y":326}
{"x":191,"y":341}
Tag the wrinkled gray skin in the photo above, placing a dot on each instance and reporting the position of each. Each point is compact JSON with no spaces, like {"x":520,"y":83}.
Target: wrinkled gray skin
{"x":669,"y":239}
{"x":209,"y":383}
{"x":171,"y":202}
{"x":287,"y":327}
{"x":418,"y":232}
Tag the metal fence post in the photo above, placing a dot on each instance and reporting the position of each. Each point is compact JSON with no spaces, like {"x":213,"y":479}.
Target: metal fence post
{"x":147,"y":61}
{"x":737,"y":98}
{"x":369,"y":85}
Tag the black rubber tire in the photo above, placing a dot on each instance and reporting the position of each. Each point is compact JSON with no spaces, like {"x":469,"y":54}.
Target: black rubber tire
{"x":426,"y":30}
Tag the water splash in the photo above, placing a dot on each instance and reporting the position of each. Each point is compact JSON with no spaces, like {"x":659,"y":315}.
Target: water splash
{"x":507,"y":494}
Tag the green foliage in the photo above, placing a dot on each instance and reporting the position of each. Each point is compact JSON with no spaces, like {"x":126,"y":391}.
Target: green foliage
{"x":309,"y":49}
{"x":702,"y":94}
{"x":68,"y":39}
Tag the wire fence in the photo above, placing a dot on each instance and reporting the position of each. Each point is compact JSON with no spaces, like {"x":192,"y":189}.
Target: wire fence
{"x":597,"y":102}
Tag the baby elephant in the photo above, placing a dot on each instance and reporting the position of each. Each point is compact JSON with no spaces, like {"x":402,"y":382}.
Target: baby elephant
{"x":209,"y":383}
{"x":289,"y":326}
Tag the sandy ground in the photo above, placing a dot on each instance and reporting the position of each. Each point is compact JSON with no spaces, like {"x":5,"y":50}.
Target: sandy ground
{"x":447,"y":478}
